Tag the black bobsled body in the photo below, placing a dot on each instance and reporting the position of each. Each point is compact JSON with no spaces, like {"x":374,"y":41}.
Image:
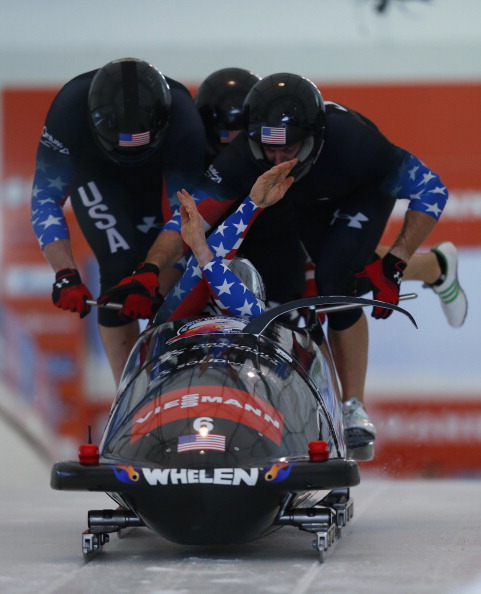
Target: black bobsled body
{"x":221,"y":431}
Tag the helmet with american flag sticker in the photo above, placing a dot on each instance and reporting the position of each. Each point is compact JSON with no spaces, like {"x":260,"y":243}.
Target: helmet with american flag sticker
{"x":282,"y":110}
{"x":129,"y":105}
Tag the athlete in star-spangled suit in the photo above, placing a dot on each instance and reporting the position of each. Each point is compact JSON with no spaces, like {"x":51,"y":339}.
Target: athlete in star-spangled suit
{"x":209,"y":270}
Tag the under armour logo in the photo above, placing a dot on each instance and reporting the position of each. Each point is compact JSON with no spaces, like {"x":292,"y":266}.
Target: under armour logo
{"x":148,"y":224}
{"x":354,"y":221}
{"x":397,"y":277}
{"x":62,"y":282}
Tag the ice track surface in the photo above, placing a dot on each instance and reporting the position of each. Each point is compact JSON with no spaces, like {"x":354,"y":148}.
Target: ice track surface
{"x":417,"y":536}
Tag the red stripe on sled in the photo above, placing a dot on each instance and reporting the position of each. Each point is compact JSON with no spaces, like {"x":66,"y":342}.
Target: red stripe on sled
{"x":212,"y":401}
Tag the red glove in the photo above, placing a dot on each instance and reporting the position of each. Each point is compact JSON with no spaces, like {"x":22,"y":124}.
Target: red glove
{"x":385,"y":275}
{"x":69,"y":292}
{"x":139,"y":293}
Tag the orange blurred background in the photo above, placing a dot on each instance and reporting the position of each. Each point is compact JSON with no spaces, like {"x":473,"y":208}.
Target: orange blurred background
{"x":439,"y":123}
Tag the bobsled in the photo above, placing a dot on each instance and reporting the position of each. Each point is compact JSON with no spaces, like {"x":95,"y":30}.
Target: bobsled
{"x":223,"y":430}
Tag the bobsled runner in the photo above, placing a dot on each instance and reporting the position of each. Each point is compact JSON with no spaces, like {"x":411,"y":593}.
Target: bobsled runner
{"x":222,"y":431}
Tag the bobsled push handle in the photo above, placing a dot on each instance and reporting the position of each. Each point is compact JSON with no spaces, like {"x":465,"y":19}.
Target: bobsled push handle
{"x":94,"y":303}
{"x":257,"y":325}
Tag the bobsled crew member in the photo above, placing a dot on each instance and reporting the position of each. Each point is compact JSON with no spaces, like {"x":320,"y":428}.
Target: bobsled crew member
{"x":120,"y":141}
{"x":220,"y":99}
{"x":347,"y":180}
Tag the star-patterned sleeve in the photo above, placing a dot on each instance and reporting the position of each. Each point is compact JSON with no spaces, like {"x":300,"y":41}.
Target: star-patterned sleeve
{"x":51,"y":186}
{"x":230,"y":294}
{"x":211,"y":209}
{"x":190,"y":295}
{"x":421,"y":186}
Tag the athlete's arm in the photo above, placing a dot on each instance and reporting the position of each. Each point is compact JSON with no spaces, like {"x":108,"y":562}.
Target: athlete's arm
{"x":268,"y":189}
{"x":415,"y":230}
{"x":230,"y":294}
{"x":192,"y":229}
{"x":59,"y":254}
{"x":427,"y":197}
{"x":420,"y":185}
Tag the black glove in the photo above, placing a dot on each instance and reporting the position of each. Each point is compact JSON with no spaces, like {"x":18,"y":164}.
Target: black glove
{"x":69,"y":292}
{"x":385,"y":275}
{"x":138,"y":292}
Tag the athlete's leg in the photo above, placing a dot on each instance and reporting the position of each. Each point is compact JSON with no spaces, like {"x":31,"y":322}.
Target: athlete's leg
{"x":341,"y":241}
{"x":350,"y":352}
{"x":340,"y":249}
{"x":118,"y":341}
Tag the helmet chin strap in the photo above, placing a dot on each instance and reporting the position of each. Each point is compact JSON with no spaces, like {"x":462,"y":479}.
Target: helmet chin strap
{"x":306,"y":149}
{"x":304,"y":170}
{"x":256,"y":150}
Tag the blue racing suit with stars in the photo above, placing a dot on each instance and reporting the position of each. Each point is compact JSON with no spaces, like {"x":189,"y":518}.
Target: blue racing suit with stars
{"x":338,"y":210}
{"x":215,"y":280}
{"x":120,"y":208}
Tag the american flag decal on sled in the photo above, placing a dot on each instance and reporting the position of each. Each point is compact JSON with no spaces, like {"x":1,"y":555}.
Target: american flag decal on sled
{"x":211,"y":441}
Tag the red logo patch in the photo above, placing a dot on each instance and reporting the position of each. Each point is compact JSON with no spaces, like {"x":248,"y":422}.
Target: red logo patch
{"x":209,"y":401}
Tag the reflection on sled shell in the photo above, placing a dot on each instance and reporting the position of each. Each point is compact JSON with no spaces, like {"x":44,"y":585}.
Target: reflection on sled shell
{"x":210,"y":430}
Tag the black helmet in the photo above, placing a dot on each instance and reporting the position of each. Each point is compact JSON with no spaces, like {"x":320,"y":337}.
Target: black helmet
{"x":129,"y":105}
{"x":284,"y":109}
{"x":219,"y":100}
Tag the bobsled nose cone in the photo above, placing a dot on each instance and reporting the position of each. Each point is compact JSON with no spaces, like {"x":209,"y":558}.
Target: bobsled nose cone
{"x":210,"y":515}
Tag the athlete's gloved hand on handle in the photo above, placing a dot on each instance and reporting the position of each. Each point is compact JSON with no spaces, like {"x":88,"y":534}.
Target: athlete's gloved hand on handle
{"x":69,"y":292}
{"x":138,"y":292}
{"x":385,"y":275}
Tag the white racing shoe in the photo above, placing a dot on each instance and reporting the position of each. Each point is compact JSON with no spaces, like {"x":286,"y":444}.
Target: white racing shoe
{"x":359,"y":431}
{"x":453,"y":298}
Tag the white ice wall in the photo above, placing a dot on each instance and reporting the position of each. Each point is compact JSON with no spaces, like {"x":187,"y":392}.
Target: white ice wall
{"x":49,"y":41}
